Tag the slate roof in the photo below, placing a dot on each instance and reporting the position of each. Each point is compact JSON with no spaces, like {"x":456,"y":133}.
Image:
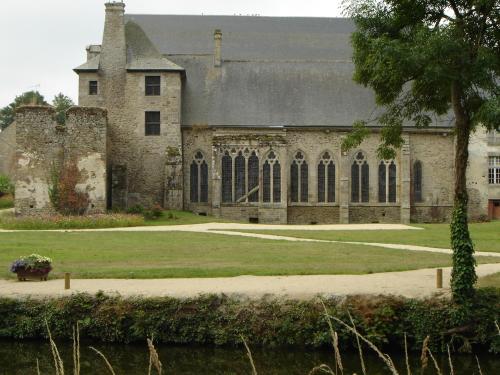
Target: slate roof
{"x":276,"y":71}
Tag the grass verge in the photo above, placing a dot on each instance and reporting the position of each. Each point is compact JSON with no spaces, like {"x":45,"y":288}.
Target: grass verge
{"x":484,"y":235}
{"x":490,"y":281}
{"x":182,"y":254}
{"x":70,"y":222}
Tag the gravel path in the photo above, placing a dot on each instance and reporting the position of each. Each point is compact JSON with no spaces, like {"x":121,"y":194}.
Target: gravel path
{"x":418,"y":284}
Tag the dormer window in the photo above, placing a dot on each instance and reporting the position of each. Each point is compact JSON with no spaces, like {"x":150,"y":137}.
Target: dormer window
{"x":153,"y":85}
{"x":93,"y":88}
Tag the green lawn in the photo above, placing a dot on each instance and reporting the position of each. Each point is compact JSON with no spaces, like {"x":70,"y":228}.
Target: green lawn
{"x":181,"y":254}
{"x":486,"y":236}
{"x":490,"y":281}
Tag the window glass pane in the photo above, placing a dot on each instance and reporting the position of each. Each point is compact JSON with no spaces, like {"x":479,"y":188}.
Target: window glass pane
{"x":153,"y":85}
{"x":266,"y":182}
{"x":152,"y":123}
{"x":365,"y":182}
{"x":93,"y":88}
{"x":355,"y":182}
{"x":381,"y":181}
{"x":417,"y":181}
{"x":204,"y":182}
{"x":194,"y":182}
{"x":304,"y":182}
{"x":331,"y":182}
{"x":239,"y":171}
{"x":321,"y":182}
{"x":392,"y":182}
{"x":253,"y":177}
{"x":276,"y":182}
{"x":294,"y":181}
{"x":227,"y":178}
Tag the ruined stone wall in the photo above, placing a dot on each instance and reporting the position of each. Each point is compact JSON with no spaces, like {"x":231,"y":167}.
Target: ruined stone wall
{"x":8,"y":151}
{"x":431,"y":148}
{"x":44,"y":148}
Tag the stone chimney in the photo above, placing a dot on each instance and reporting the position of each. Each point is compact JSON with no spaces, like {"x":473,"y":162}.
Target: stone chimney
{"x":92,"y":51}
{"x":113,"y":54}
{"x":217,"y":47}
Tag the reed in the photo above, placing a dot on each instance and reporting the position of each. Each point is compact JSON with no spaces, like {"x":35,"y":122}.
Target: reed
{"x":249,"y":355}
{"x":110,"y":368}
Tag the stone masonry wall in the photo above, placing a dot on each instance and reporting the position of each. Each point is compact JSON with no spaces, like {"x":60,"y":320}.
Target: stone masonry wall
{"x":432,"y":148}
{"x":43,"y":148}
{"x":8,"y":151}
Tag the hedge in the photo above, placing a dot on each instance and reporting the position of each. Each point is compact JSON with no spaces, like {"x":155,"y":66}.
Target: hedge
{"x":220,"y":320}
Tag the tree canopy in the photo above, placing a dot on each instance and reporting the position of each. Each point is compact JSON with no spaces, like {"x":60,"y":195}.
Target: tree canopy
{"x":425,"y":60}
{"x":61,"y":103}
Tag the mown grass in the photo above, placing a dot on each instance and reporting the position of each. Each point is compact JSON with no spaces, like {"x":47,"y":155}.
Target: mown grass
{"x":174,"y":217}
{"x":6,"y":201}
{"x":486,"y":236}
{"x":182,"y":254}
{"x":490,"y":281}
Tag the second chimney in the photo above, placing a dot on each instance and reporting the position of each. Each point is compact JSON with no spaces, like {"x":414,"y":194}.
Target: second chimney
{"x":217,"y":47}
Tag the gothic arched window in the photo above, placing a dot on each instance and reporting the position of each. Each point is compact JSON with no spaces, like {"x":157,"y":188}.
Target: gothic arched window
{"x":360,"y":179}
{"x":227,"y":178}
{"x":299,"y":175}
{"x":417,"y":181}
{"x":240,"y":176}
{"x":199,"y":179}
{"x":326,"y":179}
{"x":387,"y":181}
{"x":253,"y":177}
{"x":271,"y":179}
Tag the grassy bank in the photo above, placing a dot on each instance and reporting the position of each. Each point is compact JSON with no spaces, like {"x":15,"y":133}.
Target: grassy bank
{"x":221,"y":321}
{"x":6,"y":201}
{"x":183,"y":254}
{"x":485,"y":235}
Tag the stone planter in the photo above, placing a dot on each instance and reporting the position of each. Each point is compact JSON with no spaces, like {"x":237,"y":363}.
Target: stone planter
{"x":42,"y":275}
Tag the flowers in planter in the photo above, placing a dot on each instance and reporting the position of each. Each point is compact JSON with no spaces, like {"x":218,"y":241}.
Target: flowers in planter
{"x":34,"y":264}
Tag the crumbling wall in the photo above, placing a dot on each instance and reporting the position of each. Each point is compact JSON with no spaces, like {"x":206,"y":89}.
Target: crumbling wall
{"x":44,"y":148}
{"x":8,"y":151}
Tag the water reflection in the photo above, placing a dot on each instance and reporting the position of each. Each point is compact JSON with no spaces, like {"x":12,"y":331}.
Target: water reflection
{"x":19,"y":357}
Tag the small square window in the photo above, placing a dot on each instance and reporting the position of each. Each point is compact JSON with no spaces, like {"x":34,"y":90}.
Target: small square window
{"x":153,"y":85}
{"x":152,"y":123}
{"x":93,"y":88}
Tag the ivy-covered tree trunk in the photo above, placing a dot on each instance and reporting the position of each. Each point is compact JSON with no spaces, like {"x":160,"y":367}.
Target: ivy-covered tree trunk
{"x":463,"y":276}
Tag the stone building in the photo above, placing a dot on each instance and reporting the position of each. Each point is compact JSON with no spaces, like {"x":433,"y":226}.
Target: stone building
{"x":243,"y":117}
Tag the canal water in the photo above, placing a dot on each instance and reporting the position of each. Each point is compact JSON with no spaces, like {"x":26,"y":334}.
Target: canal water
{"x":19,"y":358}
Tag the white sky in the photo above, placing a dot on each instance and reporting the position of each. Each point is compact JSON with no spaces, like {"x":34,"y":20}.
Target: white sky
{"x":41,"y":41}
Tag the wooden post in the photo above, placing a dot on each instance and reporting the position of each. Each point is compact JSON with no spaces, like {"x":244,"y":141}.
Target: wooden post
{"x":67,"y":280}
{"x":439,"y":278}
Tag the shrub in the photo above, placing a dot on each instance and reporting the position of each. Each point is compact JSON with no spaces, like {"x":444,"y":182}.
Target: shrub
{"x":154,"y":213}
{"x":71,"y":222}
{"x":136,"y":209}
{"x":6,"y":186}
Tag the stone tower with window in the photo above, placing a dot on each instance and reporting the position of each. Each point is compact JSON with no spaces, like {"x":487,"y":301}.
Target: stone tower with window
{"x":141,"y":90}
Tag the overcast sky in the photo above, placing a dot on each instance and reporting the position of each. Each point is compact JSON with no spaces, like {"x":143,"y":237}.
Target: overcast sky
{"x":41,"y":41}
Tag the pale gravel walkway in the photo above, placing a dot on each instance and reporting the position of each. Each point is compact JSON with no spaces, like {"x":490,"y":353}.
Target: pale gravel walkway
{"x":417,"y":284}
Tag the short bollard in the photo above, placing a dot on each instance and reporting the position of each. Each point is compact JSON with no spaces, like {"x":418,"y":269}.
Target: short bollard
{"x":67,"y":280}
{"x":439,"y":278}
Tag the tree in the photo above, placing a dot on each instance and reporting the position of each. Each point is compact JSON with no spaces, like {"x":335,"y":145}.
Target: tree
{"x":61,"y":104}
{"x":424,"y":59}
{"x":7,"y":114}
